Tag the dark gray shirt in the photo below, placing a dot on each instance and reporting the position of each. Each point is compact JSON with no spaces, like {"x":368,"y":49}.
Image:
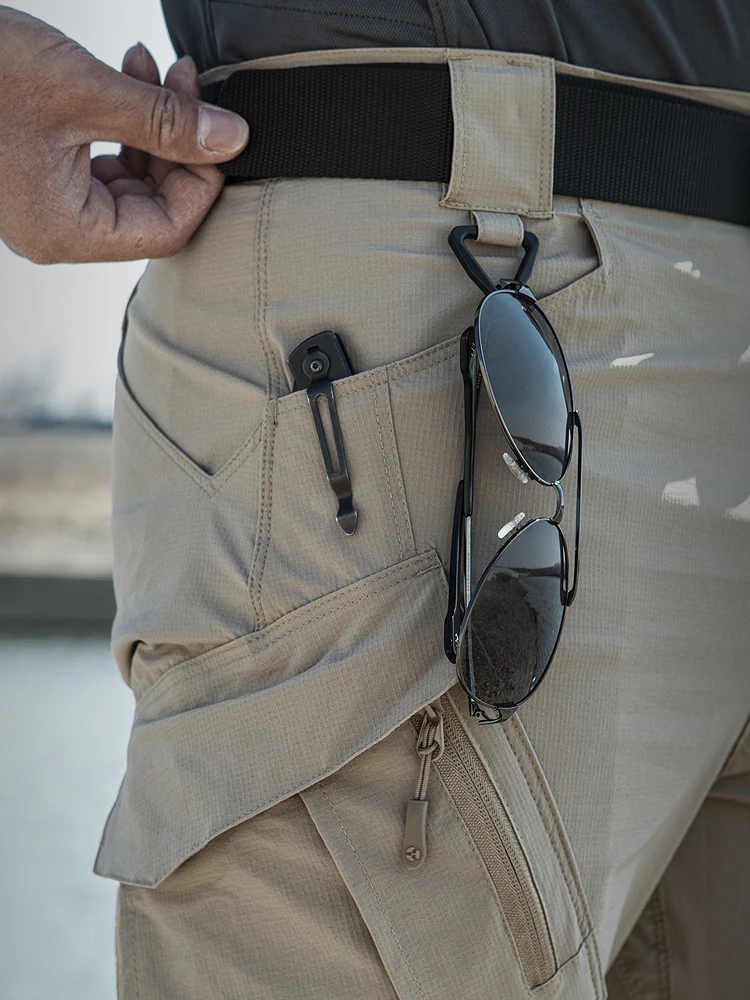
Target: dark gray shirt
{"x":704,"y":42}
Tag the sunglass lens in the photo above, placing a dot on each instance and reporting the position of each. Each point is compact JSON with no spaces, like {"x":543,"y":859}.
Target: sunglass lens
{"x":513,"y":623}
{"x":527,"y":378}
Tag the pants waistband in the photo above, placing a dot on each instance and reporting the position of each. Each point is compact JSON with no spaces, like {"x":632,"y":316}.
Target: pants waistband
{"x":503,"y":123}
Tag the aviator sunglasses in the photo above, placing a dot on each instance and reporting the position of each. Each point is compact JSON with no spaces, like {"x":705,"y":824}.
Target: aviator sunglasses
{"x":502,"y":634}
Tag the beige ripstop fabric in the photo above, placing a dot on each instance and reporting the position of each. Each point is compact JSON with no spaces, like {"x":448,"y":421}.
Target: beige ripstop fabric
{"x":280,"y":666}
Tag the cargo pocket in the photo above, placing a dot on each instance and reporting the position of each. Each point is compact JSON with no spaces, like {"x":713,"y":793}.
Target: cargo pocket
{"x":497,"y":904}
{"x":467,"y":782}
{"x":518,"y":835}
{"x":224,"y":735}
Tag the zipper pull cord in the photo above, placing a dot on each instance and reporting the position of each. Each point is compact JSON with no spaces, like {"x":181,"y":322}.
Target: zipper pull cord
{"x":430,"y":746}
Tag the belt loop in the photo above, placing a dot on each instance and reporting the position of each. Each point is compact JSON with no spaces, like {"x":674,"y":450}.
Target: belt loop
{"x":503,"y":133}
{"x":498,"y":228}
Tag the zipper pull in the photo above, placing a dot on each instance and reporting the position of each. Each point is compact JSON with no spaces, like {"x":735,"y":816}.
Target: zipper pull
{"x":430,"y":746}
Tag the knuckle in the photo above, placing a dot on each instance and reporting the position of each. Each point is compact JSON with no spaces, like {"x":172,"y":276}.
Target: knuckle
{"x":166,"y":119}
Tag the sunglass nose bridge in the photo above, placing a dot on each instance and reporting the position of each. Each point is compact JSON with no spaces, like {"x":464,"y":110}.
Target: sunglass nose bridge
{"x":457,"y":242}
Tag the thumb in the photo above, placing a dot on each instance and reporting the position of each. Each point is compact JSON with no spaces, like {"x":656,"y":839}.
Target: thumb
{"x":165,"y":123}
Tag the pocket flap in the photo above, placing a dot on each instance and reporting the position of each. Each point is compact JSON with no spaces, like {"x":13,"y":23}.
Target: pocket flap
{"x":225,"y":735}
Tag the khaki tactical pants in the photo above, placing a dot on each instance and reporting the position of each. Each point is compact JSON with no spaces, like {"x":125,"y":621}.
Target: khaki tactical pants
{"x":279,"y":666}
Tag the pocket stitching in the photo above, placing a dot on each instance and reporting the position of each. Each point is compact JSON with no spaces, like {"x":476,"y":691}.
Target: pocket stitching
{"x":174,"y":455}
{"x":210,"y":483}
{"x":398,"y":474}
{"x":599,"y":273}
{"x":475,"y":850}
{"x":263,"y":533}
{"x":737,"y":752}
{"x":524,"y":850}
{"x":350,"y":385}
{"x":421,"y":565}
{"x":549,"y":819}
{"x":372,"y":889}
{"x":385,"y":469}
{"x":547,"y":815}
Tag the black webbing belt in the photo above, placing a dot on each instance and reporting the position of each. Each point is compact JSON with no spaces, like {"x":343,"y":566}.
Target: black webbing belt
{"x":394,"y":121}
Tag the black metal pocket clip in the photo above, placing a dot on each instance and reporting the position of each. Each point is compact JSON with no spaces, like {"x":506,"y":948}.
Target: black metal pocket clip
{"x":316,"y":363}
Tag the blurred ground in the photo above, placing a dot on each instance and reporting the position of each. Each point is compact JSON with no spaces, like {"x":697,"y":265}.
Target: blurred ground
{"x":64,"y":721}
{"x":54,"y":503}
{"x":64,"y":713}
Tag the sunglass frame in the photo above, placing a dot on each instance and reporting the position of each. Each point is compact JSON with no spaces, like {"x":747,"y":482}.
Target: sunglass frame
{"x":459,"y":610}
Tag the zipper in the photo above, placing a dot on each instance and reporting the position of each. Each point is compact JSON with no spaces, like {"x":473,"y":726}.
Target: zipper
{"x":442,"y":740}
{"x":430,"y":746}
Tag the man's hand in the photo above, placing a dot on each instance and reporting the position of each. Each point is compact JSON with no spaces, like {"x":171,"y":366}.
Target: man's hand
{"x":56,"y":204}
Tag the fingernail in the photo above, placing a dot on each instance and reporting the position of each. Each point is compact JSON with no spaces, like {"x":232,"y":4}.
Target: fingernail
{"x":221,"y":131}
{"x":186,"y":61}
{"x":134,"y":52}
{"x":142,"y":55}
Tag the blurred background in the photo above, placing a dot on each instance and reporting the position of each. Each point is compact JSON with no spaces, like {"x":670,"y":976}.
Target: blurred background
{"x":64,"y":711}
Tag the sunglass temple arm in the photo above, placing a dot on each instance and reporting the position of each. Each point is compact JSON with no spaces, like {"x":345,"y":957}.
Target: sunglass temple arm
{"x":579,"y":482}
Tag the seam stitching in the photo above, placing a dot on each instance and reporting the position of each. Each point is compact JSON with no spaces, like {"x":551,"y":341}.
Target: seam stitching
{"x":252,"y":588}
{"x":305,"y":624}
{"x":264,"y":535}
{"x":398,"y":473}
{"x":134,"y":949}
{"x":251,"y":444}
{"x":463,"y":71}
{"x":543,"y":159}
{"x":337,"y":13}
{"x":475,"y":850}
{"x":264,"y":221}
{"x":552,"y":840}
{"x":372,"y":889}
{"x":548,"y":817}
{"x":394,"y":371}
{"x":566,"y":867}
{"x":542,"y":145}
{"x":278,"y":796}
{"x":259,"y":288}
{"x":181,"y":465}
{"x":438,"y":22}
{"x":385,"y":469}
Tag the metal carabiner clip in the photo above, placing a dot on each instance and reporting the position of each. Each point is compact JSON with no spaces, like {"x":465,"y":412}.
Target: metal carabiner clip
{"x":457,"y":241}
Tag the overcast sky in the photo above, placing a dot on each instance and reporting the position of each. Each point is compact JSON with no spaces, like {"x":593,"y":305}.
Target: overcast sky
{"x":65,"y":319}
